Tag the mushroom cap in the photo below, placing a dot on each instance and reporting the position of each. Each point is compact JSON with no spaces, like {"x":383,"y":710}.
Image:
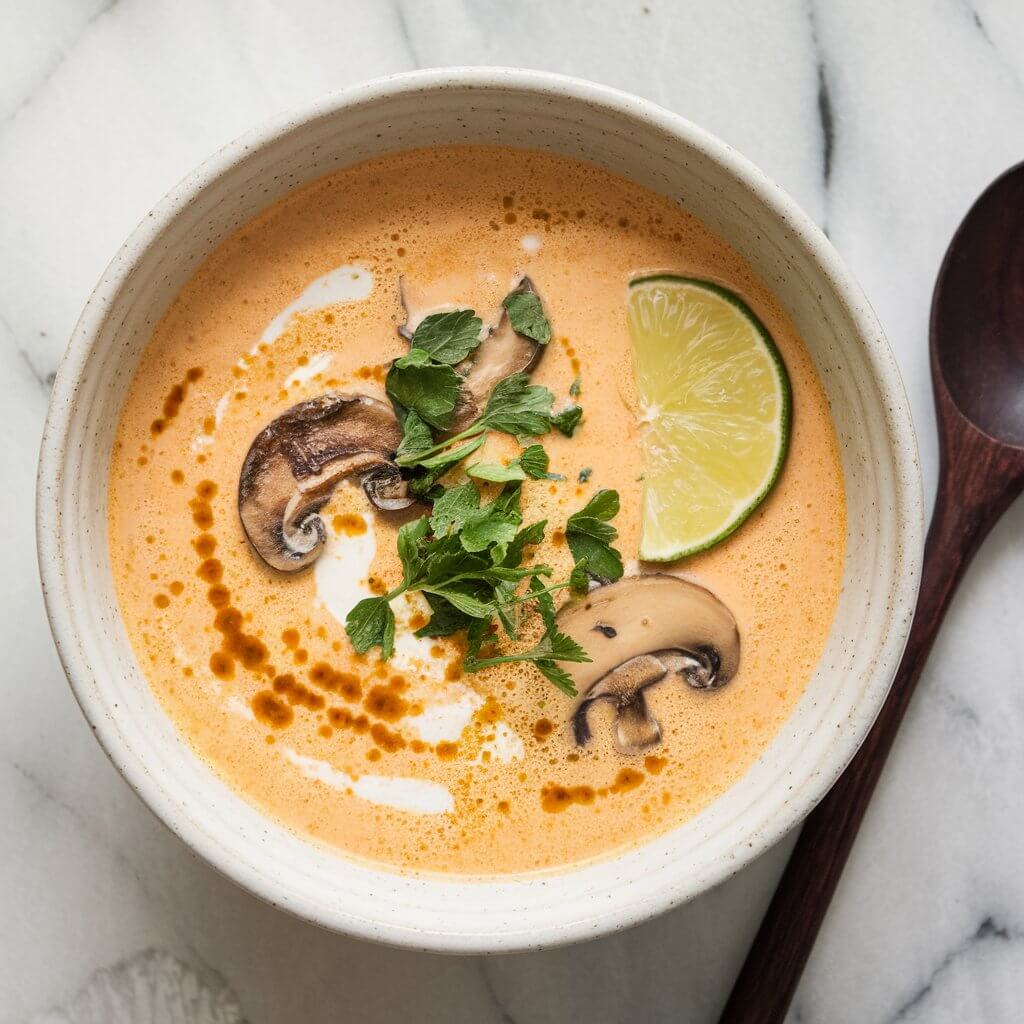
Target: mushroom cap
{"x":295,"y":463}
{"x":647,"y":614}
{"x":638,"y":631}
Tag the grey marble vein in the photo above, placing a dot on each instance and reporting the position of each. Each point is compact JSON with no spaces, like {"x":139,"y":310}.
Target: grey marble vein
{"x":988,"y":931}
{"x":408,"y":39}
{"x":492,"y":993}
{"x":826,"y":114}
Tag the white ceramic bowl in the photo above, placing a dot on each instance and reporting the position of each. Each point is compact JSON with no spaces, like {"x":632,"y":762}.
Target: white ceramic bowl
{"x":664,"y":153}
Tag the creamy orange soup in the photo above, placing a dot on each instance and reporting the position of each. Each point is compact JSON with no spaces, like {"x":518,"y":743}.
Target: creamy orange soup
{"x":416,"y":763}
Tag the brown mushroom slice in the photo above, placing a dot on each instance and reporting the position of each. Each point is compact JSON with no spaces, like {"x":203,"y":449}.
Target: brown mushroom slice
{"x":296,"y":462}
{"x":501,"y":353}
{"x":638,"y":631}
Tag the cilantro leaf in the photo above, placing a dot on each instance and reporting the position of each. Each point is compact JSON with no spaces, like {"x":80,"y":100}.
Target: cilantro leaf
{"x":603,"y":505}
{"x":567,"y":420}
{"x":427,"y":388}
{"x":409,"y":537}
{"x":463,"y":601}
{"x":518,"y":407}
{"x":545,"y":603}
{"x":526,"y":314}
{"x":532,"y":534}
{"x":507,"y":609}
{"x":448,"y":337}
{"x":452,"y":508}
{"x":486,"y":526}
{"x":445,"y":620}
{"x":578,"y":579}
{"x":426,"y":487}
{"x":371,"y":623}
{"x":416,"y":438}
{"x":508,"y":500}
{"x":446,"y":459}
{"x":495,"y":472}
{"x":603,"y":561}
{"x":535,"y":461}
{"x":589,"y":536}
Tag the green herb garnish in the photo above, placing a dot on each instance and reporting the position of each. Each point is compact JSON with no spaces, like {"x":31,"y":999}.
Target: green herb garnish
{"x":589,"y":535}
{"x":575,"y":386}
{"x":532,"y":462}
{"x":496,"y":473}
{"x":526,"y":314}
{"x":585,"y":474}
{"x":428,"y":388}
{"x":567,"y":420}
{"x":466,"y":559}
{"x":448,"y":337}
{"x":515,"y":407}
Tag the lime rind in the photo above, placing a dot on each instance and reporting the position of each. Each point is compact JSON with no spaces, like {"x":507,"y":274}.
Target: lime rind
{"x":674,"y":480}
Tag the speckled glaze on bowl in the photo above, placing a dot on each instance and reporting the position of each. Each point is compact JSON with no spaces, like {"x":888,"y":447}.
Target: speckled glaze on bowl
{"x":657,"y":149}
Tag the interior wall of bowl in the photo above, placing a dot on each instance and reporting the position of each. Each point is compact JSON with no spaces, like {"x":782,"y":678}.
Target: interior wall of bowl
{"x":231,"y":190}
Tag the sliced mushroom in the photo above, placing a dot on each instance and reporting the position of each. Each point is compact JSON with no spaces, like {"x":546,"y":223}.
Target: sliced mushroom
{"x":296,"y":462}
{"x":638,"y":631}
{"x":502,"y":352}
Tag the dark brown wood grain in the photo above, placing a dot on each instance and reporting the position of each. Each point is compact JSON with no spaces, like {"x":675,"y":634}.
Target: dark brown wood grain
{"x":977,"y":357}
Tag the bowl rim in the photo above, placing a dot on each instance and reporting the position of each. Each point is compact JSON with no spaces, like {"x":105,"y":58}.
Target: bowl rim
{"x":870,"y":338}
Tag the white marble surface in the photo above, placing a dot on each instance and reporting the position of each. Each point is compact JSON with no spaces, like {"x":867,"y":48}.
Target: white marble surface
{"x":884,"y":120}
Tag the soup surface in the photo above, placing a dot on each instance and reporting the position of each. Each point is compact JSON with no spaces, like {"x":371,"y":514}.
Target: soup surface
{"x":415,"y":762}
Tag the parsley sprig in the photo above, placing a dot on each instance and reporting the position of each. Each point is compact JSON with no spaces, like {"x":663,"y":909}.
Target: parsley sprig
{"x":466,"y":559}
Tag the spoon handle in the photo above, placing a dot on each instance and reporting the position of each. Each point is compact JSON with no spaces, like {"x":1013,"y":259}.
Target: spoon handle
{"x":978,"y":480}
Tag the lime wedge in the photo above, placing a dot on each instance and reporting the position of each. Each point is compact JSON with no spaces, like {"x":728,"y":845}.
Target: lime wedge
{"x":715,"y":404}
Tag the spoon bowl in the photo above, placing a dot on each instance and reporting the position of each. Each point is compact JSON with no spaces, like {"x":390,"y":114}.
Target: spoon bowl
{"x":977,"y":328}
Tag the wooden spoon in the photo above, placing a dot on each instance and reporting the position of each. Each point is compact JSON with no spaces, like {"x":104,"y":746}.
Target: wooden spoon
{"x":977,"y":358}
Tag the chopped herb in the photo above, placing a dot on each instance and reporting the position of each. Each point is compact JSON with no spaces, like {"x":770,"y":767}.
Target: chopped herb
{"x":585,"y":474}
{"x":526,"y":537}
{"x":526,"y":314}
{"x":452,"y":508}
{"x":488,"y":525}
{"x":417,"y":437}
{"x":567,"y":420}
{"x":465,"y":558}
{"x":371,"y":623}
{"x":449,"y":337}
{"x":496,"y":473}
{"x":422,"y":386}
{"x":445,"y":620}
{"x":535,"y":462}
{"x":518,"y":407}
{"x":553,"y":646}
{"x":590,"y":535}
{"x":579,"y":581}
{"x":515,"y":407}
{"x":575,"y":386}
{"x":448,"y":458}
